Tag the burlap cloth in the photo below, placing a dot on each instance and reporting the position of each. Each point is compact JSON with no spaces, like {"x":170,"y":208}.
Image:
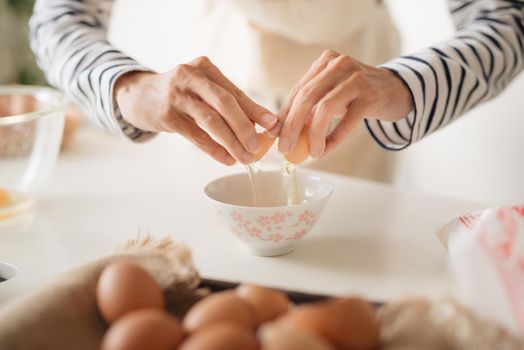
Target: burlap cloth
{"x":443,"y":324}
{"x":63,"y":314}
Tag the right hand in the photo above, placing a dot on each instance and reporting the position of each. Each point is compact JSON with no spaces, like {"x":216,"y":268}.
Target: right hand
{"x":197,"y":101}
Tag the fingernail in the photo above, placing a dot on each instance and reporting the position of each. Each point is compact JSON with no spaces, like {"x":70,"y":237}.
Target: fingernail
{"x":315,"y":151}
{"x":269,"y":119}
{"x":284,"y":145}
{"x":253,"y":144}
{"x":230,"y":160}
{"x":338,"y":116}
{"x":273,"y":132}
{"x":246,"y":157}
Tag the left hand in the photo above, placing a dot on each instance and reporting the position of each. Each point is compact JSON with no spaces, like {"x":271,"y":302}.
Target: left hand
{"x":338,"y":86}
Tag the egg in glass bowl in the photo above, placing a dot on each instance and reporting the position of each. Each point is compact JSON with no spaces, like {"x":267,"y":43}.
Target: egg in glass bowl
{"x":31,"y":129}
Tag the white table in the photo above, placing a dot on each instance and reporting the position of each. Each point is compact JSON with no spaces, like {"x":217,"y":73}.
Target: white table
{"x":372,"y":239}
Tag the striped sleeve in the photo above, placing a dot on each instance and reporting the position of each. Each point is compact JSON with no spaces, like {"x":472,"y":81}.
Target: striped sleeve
{"x":69,"y":39}
{"x":452,"y":77}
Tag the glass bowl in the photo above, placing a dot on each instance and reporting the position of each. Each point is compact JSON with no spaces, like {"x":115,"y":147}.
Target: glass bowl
{"x":31,"y":128}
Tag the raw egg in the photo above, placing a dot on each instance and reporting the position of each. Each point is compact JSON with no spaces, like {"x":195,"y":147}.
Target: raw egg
{"x":221,"y":336}
{"x":278,"y":336}
{"x":151,"y":329}
{"x":268,"y":304}
{"x":266,"y":142}
{"x":5,"y":198}
{"x":219,"y":307}
{"x":124,"y":287}
{"x":349,"y":323}
{"x":301,"y":151}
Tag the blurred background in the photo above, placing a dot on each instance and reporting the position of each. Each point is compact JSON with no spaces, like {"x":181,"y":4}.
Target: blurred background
{"x":17,"y":63}
{"x":479,"y":157}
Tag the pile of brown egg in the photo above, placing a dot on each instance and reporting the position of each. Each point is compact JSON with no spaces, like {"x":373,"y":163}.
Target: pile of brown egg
{"x":246,"y":318}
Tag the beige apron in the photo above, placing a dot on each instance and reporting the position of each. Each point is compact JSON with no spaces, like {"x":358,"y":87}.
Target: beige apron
{"x":287,"y":43}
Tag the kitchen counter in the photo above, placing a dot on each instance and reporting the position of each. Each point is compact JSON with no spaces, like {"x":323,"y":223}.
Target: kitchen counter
{"x":373,"y":239}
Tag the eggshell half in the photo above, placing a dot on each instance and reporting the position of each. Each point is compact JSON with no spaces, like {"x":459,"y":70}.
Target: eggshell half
{"x":266,"y":142}
{"x":301,"y":151}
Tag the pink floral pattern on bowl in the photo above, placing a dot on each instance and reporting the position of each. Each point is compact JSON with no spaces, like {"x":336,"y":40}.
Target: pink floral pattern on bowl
{"x":270,"y":228}
{"x":270,"y":231}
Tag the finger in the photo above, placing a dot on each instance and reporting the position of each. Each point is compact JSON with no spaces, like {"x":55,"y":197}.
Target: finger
{"x":304,"y":102}
{"x":318,"y":66}
{"x":223,"y":102}
{"x":355,"y":113}
{"x":254,"y":111}
{"x":332,"y":106}
{"x":177,"y":122}
{"x":191,"y":131}
{"x":275,"y":131}
{"x":207,"y":118}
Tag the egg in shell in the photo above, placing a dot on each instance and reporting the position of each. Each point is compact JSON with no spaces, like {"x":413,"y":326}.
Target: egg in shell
{"x":347,"y":323}
{"x":219,"y":307}
{"x":151,"y":329}
{"x":279,"y":336}
{"x":124,"y":287}
{"x":267,"y":304}
{"x":222,"y":336}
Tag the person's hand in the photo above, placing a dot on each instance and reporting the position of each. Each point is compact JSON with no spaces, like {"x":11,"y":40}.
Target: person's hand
{"x":197,"y":101}
{"x":338,"y":86}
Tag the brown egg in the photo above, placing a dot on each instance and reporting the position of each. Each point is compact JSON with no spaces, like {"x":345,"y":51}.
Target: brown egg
{"x":21,"y":104}
{"x":279,"y":336}
{"x":349,"y":323}
{"x":73,"y":119}
{"x":219,"y":307}
{"x":221,"y":336}
{"x":301,"y":151}
{"x":124,"y":287}
{"x":151,"y":329}
{"x":266,"y":142}
{"x":267,"y":303}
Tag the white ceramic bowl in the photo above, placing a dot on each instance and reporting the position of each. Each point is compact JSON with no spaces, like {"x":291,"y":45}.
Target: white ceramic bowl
{"x":271,"y":229}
